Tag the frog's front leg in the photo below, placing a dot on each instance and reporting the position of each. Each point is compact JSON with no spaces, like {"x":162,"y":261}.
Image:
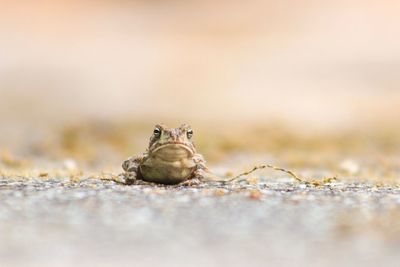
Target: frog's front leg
{"x":202,"y":173}
{"x":131,"y":168}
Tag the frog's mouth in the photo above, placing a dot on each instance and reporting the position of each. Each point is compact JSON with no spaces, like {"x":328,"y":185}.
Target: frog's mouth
{"x":173,"y":151}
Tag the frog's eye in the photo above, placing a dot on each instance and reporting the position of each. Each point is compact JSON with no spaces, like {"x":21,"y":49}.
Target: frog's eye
{"x":189,"y":133}
{"x":157,"y":132}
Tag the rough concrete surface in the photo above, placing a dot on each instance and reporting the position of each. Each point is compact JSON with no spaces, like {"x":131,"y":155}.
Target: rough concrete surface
{"x":271,"y":222}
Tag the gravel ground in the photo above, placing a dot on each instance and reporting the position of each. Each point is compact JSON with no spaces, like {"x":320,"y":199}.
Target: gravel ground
{"x":275,"y":222}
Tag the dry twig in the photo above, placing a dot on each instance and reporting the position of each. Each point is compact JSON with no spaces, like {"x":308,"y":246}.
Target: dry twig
{"x":263,"y":166}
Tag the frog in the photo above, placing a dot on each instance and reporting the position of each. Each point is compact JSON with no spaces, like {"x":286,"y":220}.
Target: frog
{"x":171,"y":159}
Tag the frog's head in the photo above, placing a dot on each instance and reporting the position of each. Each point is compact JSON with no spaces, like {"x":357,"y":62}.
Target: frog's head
{"x":172,"y":143}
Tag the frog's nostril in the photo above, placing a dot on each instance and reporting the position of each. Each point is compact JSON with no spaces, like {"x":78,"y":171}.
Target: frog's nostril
{"x":174,"y":135}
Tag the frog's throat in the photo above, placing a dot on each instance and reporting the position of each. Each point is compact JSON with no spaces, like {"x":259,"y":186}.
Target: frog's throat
{"x":174,"y":144}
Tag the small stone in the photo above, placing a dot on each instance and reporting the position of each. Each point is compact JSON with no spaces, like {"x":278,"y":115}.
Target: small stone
{"x":255,"y":194}
{"x":350,"y":166}
{"x":70,"y":165}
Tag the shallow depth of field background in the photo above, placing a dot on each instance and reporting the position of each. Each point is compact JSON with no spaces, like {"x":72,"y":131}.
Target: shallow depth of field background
{"x":323,"y":63}
{"x":80,"y":74}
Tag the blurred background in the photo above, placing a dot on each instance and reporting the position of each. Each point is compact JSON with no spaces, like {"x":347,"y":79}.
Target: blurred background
{"x":323,"y":63}
{"x":105,"y":69}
